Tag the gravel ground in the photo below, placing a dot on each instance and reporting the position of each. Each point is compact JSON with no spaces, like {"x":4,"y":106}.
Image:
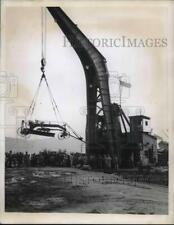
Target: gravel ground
{"x":77,"y":191}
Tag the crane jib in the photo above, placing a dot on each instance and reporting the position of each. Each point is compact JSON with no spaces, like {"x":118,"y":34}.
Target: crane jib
{"x":96,"y":74}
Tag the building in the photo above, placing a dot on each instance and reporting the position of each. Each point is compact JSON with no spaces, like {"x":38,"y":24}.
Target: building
{"x":163,"y":153}
{"x":141,"y":147}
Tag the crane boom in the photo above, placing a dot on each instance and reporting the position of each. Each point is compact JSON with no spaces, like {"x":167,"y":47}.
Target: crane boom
{"x":96,"y":73}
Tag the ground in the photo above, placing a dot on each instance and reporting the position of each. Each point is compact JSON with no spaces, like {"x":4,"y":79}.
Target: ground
{"x":77,"y":191}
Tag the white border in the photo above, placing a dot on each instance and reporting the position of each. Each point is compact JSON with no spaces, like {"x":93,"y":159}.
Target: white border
{"x":18,"y":218}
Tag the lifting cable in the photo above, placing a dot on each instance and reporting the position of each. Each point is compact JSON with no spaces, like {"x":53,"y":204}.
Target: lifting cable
{"x":43,"y":63}
{"x":43,"y":77}
{"x":43,"y":32}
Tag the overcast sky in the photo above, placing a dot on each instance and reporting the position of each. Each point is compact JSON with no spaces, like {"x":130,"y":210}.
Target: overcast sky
{"x":145,"y":67}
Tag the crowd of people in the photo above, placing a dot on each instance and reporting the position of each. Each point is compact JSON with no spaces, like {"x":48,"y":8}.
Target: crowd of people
{"x":44,"y":158}
{"x":57,"y":159}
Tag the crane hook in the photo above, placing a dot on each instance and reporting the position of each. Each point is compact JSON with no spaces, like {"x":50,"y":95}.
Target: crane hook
{"x":43,"y":64}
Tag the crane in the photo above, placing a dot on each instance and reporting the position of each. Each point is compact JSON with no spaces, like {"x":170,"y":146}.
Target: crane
{"x":103,"y":126}
{"x":103,"y":129}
